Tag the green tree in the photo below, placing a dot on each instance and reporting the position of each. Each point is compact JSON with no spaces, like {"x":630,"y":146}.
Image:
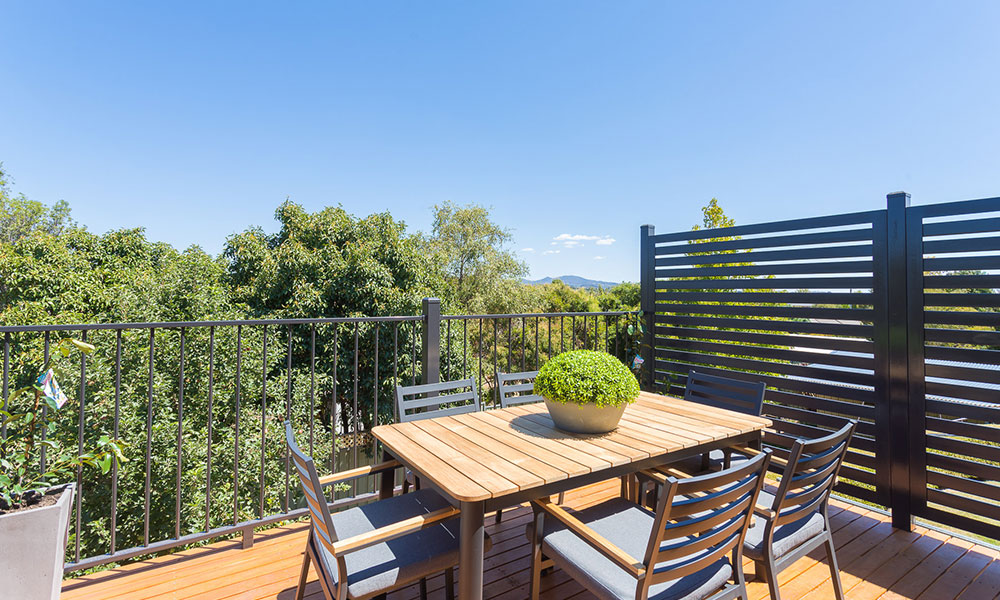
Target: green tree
{"x":481,"y":274}
{"x":19,"y":216}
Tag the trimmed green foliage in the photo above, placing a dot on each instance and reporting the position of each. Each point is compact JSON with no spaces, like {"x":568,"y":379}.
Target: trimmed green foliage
{"x":587,"y":376}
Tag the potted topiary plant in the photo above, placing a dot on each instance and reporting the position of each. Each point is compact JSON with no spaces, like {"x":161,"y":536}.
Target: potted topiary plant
{"x":586,"y":391}
{"x":35,"y":501}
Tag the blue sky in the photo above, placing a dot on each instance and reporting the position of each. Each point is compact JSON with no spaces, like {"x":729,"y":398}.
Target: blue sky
{"x":579,"y":119}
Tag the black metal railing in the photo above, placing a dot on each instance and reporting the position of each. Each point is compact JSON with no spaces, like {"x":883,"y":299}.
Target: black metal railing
{"x":199,"y":406}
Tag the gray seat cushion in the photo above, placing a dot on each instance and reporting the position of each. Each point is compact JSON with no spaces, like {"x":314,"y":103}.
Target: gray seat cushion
{"x":383,"y":567}
{"x":787,"y":537}
{"x":627,"y":526}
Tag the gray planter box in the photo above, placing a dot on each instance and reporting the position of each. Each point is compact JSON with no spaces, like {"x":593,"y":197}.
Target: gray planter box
{"x":34,"y":548}
{"x":584,"y":418}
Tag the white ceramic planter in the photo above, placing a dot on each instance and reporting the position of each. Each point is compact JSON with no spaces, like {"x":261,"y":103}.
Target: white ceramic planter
{"x":34,"y":548}
{"x":584,"y":418}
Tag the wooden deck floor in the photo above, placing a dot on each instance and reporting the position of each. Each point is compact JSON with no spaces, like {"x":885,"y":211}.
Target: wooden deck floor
{"x":875,"y":560}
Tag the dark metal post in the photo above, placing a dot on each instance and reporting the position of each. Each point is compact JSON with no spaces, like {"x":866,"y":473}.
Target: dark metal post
{"x":898,"y":392}
{"x":431,"y":347}
{"x":647,"y":279}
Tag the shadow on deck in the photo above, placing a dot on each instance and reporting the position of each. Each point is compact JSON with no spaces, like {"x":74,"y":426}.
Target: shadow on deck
{"x":875,"y":560}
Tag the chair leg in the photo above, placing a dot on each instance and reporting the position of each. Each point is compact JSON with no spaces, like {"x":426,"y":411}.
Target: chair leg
{"x":303,"y":575}
{"x":838,"y":586}
{"x":449,"y":583}
{"x":406,"y":485}
{"x":423,"y":589}
{"x":772,"y":577}
{"x":562,"y":498}
{"x":499,"y":514}
{"x":536,"y":557}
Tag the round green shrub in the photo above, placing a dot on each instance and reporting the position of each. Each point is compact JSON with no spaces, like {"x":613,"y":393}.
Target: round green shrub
{"x":585,"y":376}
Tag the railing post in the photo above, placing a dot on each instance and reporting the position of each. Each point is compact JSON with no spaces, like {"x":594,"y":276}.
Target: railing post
{"x":647,"y":300}
{"x":898,"y":396}
{"x":431,"y":346}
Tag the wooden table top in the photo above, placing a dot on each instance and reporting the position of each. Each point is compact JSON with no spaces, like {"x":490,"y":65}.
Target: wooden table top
{"x":493,"y":453}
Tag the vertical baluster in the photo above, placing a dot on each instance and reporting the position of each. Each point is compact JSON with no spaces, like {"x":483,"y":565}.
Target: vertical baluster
{"x":354,"y":483}
{"x":395,"y":361}
{"x":572,"y":328}
{"x":236,"y":434}
{"x":263,"y":426}
{"x":43,"y":462}
{"x":6,"y":380}
{"x":115,"y":430}
{"x":448,"y":368}
{"x":208,"y":454}
{"x":537,"y":321}
{"x":465,"y":348}
{"x":334,"y":415}
{"x":79,"y":469}
{"x":180,"y":440}
{"x":149,"y":436}
{"x":496,"y":359}
{"x":562,"y":333}
{"x":524,"y":347}
{"x":479,"y":352}
{"x":375,"y":386}
{"x":312,"y":386}
{"x":288,"y":417}
{"x":510,"y":346}
{"x":413,"y":361}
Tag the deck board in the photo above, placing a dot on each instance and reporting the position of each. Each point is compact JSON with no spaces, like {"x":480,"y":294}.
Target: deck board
{"x":876,"y":562}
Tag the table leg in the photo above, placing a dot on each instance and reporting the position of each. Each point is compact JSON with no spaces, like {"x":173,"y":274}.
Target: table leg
{"x":387,"y":480}
{"x":470,"y":561}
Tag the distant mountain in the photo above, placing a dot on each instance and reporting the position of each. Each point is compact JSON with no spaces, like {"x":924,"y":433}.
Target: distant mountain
{"x":574,"y":281}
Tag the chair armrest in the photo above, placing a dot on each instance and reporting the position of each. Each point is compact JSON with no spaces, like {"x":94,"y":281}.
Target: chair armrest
{"x":389,"y":532}
{"x":359,"y":472}
{"x":767,"y":513}
{"x":614,"y":553}
{"x":754,"y":452}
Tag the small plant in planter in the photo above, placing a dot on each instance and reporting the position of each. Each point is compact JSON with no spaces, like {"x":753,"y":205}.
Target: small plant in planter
{"x":586,"y":391}
{"x":35,"y":502}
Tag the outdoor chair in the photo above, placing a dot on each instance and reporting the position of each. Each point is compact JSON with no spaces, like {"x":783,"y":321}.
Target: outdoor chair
{"x":689,"y":548}
{"x":720,"y":392}
{"x":794,"y":520}
{"x":367,"y":551}
{"x":429,"y":400}
{"x":515,"y":389}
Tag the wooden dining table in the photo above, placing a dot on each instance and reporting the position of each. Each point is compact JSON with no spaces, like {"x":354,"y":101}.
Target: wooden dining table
{"x":494,"y":459}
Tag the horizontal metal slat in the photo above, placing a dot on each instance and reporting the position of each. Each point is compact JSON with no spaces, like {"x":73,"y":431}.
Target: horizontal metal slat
{"x":965,"y":467}
{"x":962,"y":263}
{"x":964,"y":392}
{"x":954,"y":409}
{"x":852,"y":408}
{"x":853,"y":298}
{"x":959,"y":299}
{"x":971,"y":450}
{"x":962,"y":227}
{"x":842,"y":220}
{"x":862,"y":379}
{"x":983,"y":509}
{"x":966,"y":318}
{"x":962,"y":336}
{"x":957,"y":521}
{"x":822,"y":283}
{"x":749,"y":337}
{"x":776,"y":241}
{"x":810,"y":268}
{"x":954,"y":282}
{"x":834,"y":329}
{"x":960,"y":207}
{"x":970,"y":374}
{"x":970,"y":244}
{"x":799,"y":254}
{"x":964,"y":484}
{"x":970,"y":355}
{"x":763,"y":352}
{"x":788,"y":312}
{"x":964,"y":429}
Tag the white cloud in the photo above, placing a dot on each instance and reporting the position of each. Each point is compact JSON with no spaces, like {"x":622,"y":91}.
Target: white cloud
{"x":573,"y":240}
{"x":527,"y":250}
{"x":551,"y":252}
{"x":598,"y":258}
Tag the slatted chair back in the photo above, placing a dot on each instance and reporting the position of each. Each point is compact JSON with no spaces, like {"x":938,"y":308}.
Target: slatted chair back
{"x":322,"y":523}
{"x":808,"y":479}
{"x":517,"y":388}
{"x":430,"y":400}
{"x":723,"y":392}
{"x":700,"y":520}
